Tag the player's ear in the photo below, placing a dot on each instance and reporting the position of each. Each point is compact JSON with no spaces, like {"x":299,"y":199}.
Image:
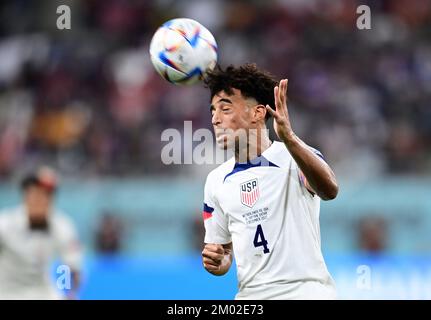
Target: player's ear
{"x":259,"y":113}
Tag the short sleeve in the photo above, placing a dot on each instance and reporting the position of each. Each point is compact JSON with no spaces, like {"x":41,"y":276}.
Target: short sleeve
{"x":215,"y":220}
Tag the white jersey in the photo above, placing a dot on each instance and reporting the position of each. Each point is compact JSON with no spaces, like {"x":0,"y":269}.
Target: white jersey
{"x":272,"y":220}
{"x":26,"y":255}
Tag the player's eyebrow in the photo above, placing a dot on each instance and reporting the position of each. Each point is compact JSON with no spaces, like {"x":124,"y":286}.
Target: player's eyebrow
{"x":225,"y":100}
{"x":212,"y":108}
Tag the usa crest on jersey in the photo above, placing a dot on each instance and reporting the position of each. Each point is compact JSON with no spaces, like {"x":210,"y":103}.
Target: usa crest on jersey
{"x":249,"y":192}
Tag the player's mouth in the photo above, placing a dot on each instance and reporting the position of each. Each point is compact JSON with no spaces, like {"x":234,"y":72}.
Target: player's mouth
{"x":221,"y":139}
{"x":221,"y":135}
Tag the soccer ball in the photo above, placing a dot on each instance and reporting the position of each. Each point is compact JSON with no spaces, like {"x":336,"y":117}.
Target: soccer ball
{"x":182,"y":50}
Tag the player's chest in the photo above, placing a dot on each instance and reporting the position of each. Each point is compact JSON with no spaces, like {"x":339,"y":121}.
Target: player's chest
{"x":30,"y":245}
{"x":253,"y":195}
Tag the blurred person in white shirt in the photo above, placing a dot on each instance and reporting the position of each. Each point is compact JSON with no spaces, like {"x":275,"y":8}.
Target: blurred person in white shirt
{"x":32,"y":235}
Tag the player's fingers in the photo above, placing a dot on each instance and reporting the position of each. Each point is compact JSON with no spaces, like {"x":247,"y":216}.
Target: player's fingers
{"x":212,"y":255}
{"x":276,"y":98}
{"x":211,"y":267}
{"x":284,"y":93}
{"x":218,"y":248}
{"x":271,"y":111}
{"x":282,"y":82}
{"x":280,"y":91}
{"x":213,"y":250}
{"x":283,"y":100}
{"x":211,"y":262}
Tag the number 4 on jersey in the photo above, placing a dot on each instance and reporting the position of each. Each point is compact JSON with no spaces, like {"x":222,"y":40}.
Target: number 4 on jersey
{"x":262,"y":241}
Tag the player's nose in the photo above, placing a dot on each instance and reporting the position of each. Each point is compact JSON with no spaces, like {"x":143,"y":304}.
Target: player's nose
{"x":215,"y":119}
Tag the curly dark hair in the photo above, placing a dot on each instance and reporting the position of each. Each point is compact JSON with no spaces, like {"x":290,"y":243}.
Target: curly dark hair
{"x":252,"y":82}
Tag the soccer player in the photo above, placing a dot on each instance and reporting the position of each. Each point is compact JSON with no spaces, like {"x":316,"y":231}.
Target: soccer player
{"x":262,"y":206}
{"x":31,"y":236}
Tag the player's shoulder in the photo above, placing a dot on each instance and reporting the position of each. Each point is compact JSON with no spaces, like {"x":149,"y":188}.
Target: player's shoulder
{"x":11,"y":218}
{"x":278,"y":148}
{"x":61,"y":220}
{"x":278,"y":154}
{"x":217,"y":175}
{"x":10,"y":213}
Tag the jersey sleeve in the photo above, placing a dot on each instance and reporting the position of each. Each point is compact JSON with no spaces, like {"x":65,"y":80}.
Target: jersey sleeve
{"x":68,"y":244}
{"x":215,"y":220}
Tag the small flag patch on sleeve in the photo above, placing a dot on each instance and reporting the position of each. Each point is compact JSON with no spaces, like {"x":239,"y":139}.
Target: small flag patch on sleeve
{"x":208,"y":212}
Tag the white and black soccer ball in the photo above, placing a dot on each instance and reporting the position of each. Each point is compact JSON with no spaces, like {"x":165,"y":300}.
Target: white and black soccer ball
{"x":182,"y":50}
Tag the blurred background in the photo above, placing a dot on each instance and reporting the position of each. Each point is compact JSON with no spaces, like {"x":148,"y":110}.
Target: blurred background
{"x":87,"y":102}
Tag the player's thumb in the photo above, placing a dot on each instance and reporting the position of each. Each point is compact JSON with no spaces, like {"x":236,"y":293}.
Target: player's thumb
{"x":270,"y":110}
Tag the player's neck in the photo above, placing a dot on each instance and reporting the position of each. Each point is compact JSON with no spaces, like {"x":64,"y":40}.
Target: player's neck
{"x":253,"y":149}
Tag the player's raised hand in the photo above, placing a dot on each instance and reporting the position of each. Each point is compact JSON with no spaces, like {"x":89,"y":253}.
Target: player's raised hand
{"x":281,"y":116}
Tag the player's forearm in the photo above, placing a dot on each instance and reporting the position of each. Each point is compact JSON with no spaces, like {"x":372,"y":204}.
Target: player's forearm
{"x":318,"y":174}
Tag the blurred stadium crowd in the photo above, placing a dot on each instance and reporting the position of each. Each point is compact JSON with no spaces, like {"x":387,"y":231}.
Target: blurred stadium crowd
{"x":88,"y":102}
